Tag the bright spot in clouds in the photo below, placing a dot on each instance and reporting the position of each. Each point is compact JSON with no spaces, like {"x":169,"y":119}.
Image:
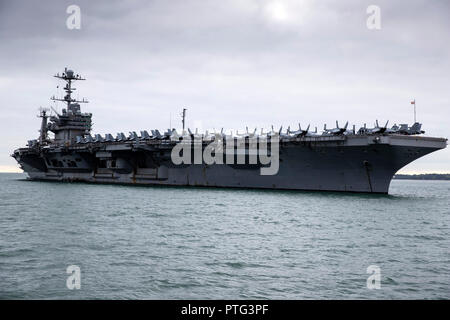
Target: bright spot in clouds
{"x":288,"y":12}
{"x":277,"y":11}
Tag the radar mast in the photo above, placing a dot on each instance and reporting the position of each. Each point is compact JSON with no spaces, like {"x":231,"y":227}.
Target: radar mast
{"x":69,"y":76}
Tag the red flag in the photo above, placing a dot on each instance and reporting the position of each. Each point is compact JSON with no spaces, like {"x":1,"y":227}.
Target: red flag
{"x":413,"y":102}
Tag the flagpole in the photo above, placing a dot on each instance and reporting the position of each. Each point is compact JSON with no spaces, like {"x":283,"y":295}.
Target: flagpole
{"x":415,"y":110}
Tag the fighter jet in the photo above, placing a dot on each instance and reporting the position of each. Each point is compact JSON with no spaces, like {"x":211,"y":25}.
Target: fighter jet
{"x":414,"y":129}
{"x":300,"y":132}
{"x":378,"y":129}
{"x":335,"y":131}
{"x":174,"y":136}
{"x":157,"y":134}
{"x":133,"y":136}
{"x":121,"y":137}
{"x":98,"y":138}
{"x":145,"y":135}
{"x":273,"y":132}
{"x":195,"y":135}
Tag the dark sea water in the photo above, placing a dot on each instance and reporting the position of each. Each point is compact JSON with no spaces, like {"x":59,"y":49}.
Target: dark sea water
{"x":192,"y":243}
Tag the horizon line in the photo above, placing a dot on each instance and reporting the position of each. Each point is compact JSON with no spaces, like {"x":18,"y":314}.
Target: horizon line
{"x":14,"y":169}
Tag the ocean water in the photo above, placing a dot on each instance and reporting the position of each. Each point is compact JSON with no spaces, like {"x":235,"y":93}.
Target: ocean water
{"x":194,"y":243}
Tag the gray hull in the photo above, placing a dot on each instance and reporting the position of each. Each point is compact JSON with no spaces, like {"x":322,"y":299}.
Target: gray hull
{"x":335,"y":163}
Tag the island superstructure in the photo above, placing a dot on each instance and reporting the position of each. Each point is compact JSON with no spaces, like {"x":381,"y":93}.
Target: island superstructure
{"x":338,"y":159}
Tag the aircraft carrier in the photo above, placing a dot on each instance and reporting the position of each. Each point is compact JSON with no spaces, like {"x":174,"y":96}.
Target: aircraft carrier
{"x":338,"y":159}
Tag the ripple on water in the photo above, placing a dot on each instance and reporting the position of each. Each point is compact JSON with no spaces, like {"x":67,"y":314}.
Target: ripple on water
{"x":162,"y":243}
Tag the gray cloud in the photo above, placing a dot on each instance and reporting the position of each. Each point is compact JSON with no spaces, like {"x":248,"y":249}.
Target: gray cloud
{"x":233,"y":63}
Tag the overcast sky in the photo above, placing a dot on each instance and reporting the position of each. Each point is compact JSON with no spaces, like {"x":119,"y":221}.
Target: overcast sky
{"x":232,"y":63}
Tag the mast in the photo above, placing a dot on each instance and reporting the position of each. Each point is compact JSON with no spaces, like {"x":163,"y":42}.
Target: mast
{"x":183,"y":115}
{"x":69,"y":76}
{"x":43,"y":131}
